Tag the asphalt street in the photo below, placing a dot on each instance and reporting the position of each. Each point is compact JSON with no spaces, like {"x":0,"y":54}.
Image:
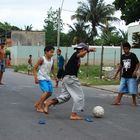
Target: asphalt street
{"x":20,"y":121}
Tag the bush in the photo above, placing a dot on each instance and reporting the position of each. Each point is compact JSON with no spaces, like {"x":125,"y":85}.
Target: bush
{"x":19,"y":68}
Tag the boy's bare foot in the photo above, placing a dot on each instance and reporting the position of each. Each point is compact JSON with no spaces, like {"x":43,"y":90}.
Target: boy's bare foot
{"x":1,"y":83}
{"x":48,"y":103}
{"x":116,"y":103}
{"x":75,"y":116}
{"x":46,"y":106}
{"x":40,"y":110}
{"x":36,"y":105}
{"x":134,"y":104}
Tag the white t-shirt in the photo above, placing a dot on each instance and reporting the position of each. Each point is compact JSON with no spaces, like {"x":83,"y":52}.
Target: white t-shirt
{"x":45,"y":69}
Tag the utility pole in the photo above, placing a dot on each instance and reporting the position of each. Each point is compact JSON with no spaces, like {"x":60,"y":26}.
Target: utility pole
{"x":58,"y":31}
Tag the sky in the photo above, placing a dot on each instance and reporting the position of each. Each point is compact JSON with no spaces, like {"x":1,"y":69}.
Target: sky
{"x":21,"y":13}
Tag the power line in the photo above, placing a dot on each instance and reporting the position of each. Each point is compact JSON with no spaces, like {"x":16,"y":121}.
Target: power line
{"x":68,"y":11}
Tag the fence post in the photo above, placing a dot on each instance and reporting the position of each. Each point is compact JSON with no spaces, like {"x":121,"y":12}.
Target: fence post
{"x":87,"y":64}
{"x":101,"y":65}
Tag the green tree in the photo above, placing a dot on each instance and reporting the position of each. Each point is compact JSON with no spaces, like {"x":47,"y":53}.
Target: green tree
{"x":129,"y":9}
{"x":51,"y":26}
{"x":78,"y":32}
{"x":111,"y":36}
{"x":65,"y":40}
{"x":96,"y":12}
{"x":5,"y":29}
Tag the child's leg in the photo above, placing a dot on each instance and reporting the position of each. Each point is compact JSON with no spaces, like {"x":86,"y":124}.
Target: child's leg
{"x":118,"y":99}
{"x":76,"y":92}
{"x":48,"y":103}
{"x":40,"y":103}
{"x":133,"y":88}
{"x":57,"y":81}
{"x":134,"y":100}
{"x":1,"y":75}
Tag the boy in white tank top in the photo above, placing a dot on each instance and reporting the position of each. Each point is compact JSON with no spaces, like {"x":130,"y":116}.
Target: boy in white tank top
{"x":42,"y":70}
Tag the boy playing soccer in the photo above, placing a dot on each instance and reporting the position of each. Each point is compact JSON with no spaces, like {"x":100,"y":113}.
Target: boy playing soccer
{"x":42,"y":70}
{"x":71,"y":86}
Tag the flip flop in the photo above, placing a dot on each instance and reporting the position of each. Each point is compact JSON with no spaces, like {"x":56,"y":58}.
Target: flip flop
{"x":89,"y":119}
{"x":41,"y":121}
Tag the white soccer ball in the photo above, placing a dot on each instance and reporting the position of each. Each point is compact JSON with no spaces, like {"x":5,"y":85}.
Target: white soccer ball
{"x":98,"y":111}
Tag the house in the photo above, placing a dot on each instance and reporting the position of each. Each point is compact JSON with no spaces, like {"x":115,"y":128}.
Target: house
{"x":25,"y":43}
{"x":131,"y":30}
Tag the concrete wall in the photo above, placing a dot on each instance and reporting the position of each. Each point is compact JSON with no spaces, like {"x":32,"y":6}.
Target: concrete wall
{"x":20,"y":54}
{"x":28,"y":38}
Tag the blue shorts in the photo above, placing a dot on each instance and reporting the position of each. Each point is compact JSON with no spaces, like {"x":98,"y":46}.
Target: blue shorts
{"x":128,"y":85}
{"x":46,"y":86}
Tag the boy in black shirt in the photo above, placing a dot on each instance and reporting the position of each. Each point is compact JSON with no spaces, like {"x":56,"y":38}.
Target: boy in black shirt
{"x":129,"y":67}
{"x":71,"y":86}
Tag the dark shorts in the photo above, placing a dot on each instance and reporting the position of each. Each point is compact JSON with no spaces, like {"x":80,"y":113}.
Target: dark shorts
{"x":2,"y":66}
{"x":60,"y":73}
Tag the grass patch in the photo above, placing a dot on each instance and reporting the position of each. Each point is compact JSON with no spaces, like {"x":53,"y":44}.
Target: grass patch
{"x":88,"y":75}
{"x":20,"y":68}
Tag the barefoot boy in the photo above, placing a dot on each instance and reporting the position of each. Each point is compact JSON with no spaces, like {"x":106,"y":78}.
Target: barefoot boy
{"x":42,"y":70}
{"x":129,"y":67}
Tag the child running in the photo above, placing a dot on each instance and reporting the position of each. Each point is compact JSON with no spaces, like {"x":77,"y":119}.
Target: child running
{"x":42,"y":70}
{"x":71,"y":86}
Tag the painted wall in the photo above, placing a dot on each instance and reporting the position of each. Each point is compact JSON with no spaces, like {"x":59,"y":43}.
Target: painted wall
{"x":20,"y":54}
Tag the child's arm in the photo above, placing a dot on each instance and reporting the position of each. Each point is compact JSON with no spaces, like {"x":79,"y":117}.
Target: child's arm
{"x":35,"y":69}
{"x":118,"y":70}
{"x":86,"y":51}
{"x":53,"y":73}
{"x":136,"y":69}
{"x":92,"y":50}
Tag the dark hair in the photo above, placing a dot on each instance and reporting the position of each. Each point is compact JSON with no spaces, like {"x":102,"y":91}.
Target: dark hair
{"x":2,"y":43}
{"x":126,"y":45}
{"x":48,"y":48}
{"x":59,"y":50}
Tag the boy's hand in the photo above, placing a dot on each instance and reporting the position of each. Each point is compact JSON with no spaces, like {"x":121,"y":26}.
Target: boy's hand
{"x":36,"y":81}
{"x":56,"y":79}
{"x":114,"y":77}
{"x":134,"y":73}
{"x":92,"y":49}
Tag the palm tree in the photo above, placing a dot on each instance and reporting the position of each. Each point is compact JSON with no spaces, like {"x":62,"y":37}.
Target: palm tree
{"x":78,"y":32}
{"x":96,"y":12}
{"x":28,"y":27}
{"x":124,"y":35}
